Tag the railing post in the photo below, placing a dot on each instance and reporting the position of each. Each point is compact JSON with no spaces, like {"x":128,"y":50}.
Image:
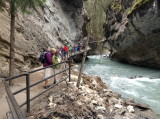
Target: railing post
{"x":69,"y":69}
{"x":28,"y":92}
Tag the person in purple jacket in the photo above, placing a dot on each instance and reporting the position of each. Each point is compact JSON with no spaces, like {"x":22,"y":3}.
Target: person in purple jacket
{"x":48,"y":63}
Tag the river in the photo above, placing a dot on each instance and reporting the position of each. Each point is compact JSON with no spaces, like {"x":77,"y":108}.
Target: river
{"x":140,"y":83}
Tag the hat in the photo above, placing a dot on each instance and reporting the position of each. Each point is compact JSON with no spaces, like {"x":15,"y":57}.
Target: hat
{"x":53,"y":50}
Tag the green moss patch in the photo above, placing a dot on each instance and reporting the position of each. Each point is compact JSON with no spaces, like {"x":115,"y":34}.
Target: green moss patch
{"x":136,"y":5}
{"x":116,"y":6}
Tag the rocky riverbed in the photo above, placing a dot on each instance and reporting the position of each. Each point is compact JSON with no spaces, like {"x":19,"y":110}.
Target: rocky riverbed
{"x":92,"y":100}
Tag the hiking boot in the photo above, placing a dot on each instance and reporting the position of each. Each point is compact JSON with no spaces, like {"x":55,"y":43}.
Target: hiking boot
{"x":45,"y":87}
{"x":54,"y":82}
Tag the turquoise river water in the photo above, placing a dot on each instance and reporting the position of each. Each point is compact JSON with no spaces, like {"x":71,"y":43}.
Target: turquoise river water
{"x":142,"y":84}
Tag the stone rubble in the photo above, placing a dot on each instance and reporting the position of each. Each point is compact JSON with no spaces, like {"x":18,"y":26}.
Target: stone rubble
{"x":93,"y":100}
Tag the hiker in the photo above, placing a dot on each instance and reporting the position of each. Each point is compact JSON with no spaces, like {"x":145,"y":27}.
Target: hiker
{"x":79,"y":46}
{"x":70,"y":50}
{"x":56,"y":68}
{"x":61,"y":51}
{"x":48,"y":62}
{"x":66,"y":51}
{"x":76,"y":49}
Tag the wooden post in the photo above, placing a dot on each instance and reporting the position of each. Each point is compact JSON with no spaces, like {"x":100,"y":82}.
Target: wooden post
{"x":12,"y":41}
{"x":83,"y":60}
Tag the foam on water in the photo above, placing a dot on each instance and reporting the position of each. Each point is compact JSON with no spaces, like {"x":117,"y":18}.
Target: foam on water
{"x":139,"y":83}
{"x":132,"y":93}
{"x":146,"y":79}
{"x":94,"y":57}
{"x":150,"y":100}
{"x":141,"y":89}
{"x":124,"y":80}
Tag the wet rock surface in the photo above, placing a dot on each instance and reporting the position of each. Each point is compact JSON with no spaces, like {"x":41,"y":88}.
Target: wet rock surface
{"x":93,"y":100}
{"x":132,"y":32}
{"x":78,"y":58}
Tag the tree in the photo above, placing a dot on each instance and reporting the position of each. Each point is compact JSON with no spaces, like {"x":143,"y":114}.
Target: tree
{"x":83,"y":61}
{"x":25,"y":6}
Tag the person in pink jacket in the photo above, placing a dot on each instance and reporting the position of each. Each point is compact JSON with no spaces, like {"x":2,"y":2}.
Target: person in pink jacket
{"x":48,"y":63}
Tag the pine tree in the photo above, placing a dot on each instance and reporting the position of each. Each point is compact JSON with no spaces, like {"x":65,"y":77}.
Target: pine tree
{"x":25,"y":6}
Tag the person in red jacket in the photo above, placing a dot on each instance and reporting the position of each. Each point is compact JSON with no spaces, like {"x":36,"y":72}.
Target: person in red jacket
{"x":48,"y":63}
{"x":65,"y":51}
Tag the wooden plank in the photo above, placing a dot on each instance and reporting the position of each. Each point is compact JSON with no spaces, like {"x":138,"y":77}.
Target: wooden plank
{"x":15,"y":109}
{"x":9,"y":115}
{"x":12,"y":113}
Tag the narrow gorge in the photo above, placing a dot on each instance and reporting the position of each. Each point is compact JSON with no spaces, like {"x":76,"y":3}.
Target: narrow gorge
{"x":116,"y":33}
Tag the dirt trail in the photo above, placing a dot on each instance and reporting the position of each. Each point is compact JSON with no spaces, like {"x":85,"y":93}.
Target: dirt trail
{"x":21,"y":97}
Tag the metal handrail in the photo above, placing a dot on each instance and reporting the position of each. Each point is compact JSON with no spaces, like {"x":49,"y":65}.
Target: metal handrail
{"x":23,"y":89}
{"x":15,"y":110}
{"x":11,"y":78}
{"x":43,"y":91}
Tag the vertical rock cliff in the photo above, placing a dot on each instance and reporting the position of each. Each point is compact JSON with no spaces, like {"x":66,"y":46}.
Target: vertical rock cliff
{"x":59,"y":22}
{"x":133,"y":32}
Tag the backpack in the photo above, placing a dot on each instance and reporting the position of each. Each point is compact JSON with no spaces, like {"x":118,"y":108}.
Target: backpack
{"x":56,"y":60}
{"x":42,"y":57}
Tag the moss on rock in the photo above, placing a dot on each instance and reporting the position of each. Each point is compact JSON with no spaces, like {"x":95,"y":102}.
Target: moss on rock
{"x":117,"y":6}
{"x":137,"y":4}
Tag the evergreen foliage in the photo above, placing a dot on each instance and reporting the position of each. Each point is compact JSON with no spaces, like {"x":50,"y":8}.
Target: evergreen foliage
{"x":24,"y":5}
{"x":96,"y":10}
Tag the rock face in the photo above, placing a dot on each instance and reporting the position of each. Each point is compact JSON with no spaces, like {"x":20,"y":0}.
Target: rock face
{"x":59,"y":22}
{"x":95,"y":46}
{"x":133,"y":31}
{"x":78,"y":58}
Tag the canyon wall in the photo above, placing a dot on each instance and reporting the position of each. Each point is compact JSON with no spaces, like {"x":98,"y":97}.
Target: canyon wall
{"x":132,"y":30}
{"x":59,"y":22}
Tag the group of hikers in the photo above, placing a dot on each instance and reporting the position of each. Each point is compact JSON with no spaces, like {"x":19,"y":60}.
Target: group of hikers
{"x":55,"y":56}
{"x":69,"y":50}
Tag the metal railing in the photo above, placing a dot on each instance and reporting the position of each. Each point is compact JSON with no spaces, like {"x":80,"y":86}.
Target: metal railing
{"x":15,"y":108}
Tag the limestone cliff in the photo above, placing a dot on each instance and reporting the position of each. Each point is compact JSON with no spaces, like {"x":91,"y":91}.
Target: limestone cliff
{"x":57,"y":23}
{"x":133,"y":32}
